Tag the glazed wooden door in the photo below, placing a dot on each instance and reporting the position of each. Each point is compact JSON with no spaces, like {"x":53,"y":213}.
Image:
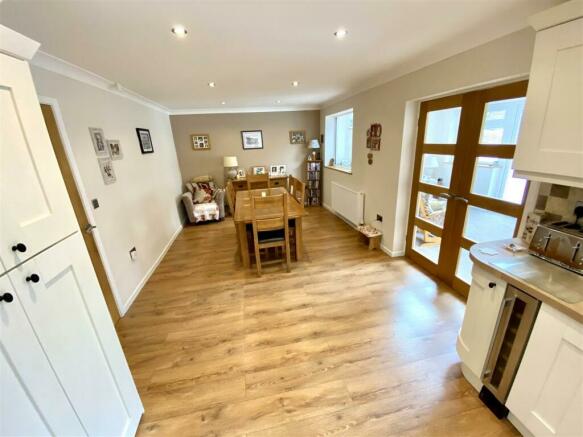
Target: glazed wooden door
{"x":463,"y":188}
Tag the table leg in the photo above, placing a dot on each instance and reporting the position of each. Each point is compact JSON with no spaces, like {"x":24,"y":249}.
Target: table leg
{"x":243,"y":247}
{"x":299,"y":241}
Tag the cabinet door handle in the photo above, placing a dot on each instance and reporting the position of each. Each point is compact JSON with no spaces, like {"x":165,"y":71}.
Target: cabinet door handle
{"x":33,"y":278}
{"x":20,"y":247}
{"x":6,"y":297}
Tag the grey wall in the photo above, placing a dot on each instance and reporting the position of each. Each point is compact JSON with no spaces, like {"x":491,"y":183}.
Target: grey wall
{"x":225,"y":137}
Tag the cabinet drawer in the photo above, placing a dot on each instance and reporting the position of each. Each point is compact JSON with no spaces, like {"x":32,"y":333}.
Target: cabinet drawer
{"x":239,"y":185}
{"x":276,"y":182}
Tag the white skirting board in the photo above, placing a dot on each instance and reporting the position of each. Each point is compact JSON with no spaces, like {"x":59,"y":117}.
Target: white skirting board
{"x":150,"y":271}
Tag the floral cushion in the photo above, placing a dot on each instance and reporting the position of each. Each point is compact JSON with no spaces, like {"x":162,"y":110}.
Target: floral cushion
{"x":203,"y":192}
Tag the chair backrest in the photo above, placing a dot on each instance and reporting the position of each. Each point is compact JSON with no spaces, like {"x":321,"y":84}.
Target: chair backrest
{"x":231,"y":197}
{"x":257,"y":181}
{"x":297,"y":189}
{"x":269,"y":213}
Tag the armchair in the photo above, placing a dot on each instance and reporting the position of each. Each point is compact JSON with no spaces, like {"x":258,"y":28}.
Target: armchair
{"x":203,"y":200}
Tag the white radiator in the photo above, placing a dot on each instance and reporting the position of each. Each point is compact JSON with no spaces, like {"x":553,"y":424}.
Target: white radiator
{"x":348,"y":203}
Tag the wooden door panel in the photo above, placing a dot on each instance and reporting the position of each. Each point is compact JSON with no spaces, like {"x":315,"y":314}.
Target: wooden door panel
{"x":31,"y":400}
{"x":73,"y":324}
{"x":34,"y":206}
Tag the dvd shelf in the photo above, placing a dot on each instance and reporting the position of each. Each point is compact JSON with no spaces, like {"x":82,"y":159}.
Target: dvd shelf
{"x":313,"y":182}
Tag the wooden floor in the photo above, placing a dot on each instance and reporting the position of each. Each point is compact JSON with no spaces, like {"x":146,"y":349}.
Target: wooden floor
{"x":350,"y":343}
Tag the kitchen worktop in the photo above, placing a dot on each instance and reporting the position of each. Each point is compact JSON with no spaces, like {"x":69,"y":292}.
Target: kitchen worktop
{"x":532,"y":275}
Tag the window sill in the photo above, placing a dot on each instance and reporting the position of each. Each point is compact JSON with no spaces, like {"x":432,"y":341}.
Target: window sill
{"x":340,"y":169}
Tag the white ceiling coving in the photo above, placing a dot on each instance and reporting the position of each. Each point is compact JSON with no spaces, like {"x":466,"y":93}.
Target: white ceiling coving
{"x":253,"y":50}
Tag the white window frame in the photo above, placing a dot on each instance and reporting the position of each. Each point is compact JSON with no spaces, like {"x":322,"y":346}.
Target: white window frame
{"x":330,"y":141}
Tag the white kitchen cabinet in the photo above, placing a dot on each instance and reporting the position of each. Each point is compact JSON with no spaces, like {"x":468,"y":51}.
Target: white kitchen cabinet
{"x":67,"y":310}
{"x":550,"y":145}
{"x":482,"y":308}
{"x":32,"y":402}
{"x":547,"y":394}
{"x":35,"y":210}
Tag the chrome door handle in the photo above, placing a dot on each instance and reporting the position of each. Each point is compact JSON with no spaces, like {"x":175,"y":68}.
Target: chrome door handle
{"x":463,"y":199}
{"x":89,"y":228}
{"x":446,"y":196}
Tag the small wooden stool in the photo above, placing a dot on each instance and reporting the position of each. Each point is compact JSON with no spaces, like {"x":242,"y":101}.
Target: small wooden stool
{"x":371,"y":235}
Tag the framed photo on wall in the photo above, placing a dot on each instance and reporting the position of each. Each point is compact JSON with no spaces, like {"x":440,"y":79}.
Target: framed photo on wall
{"x":114,"y":148}
{"x":107,"y":171}
{"x":252,"y":139}
{"x":98,"y":140}
{"x":200,"y":141}
{"x":145,"y":140}
{"x":297,"y":137}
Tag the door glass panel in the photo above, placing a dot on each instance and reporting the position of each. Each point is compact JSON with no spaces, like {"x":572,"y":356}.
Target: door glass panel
{"x":436,"y":169}
{"x":493,"y":178}
{"x":442,"y":126}
{"x":485,"y":225}
{"x":464,"y":266}
{"x":501,"y":121}
{"x":426,"y":244}
{"x":431,"y":208}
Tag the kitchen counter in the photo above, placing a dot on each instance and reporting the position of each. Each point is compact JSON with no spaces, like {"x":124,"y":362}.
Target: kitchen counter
{"x":531,"y":275}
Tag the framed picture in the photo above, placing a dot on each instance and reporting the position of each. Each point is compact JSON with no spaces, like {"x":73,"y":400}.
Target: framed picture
{"x":252,"y":139}
{"x":297,"y":137}
{"x":98,"y":140}
{"x":114,"y":149}
{"x":145,"y":140}
{"x":107,"y":171}
{"x":241,"y":173}
{"x":259,"y":170}
{"x":278,"y":170}
{"x":200,"y":141}
{"x":373,"y":136}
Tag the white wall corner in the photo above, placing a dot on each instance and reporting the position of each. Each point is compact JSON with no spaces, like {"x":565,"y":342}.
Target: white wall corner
{"x":392,"y":253}
{"x":127,"y":305}
{"x":56,"y":65}
{"x":17,"y":45}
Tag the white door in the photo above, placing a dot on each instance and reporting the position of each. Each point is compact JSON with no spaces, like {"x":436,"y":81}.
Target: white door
{"x":66,"y":308}
{"x":482,"y":309}
{"x":32,"y":403}
{"x":547,"y":394}
{"x":35,"y":210}
{"x":551,"y":137}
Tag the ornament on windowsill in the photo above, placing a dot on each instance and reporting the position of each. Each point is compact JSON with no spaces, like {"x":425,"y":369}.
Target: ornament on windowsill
{"x":373,"y":136}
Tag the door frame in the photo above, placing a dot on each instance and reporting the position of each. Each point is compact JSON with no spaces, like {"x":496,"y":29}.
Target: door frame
{"x":54,"y":104}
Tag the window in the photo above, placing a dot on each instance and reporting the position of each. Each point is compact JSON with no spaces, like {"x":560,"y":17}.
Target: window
{"x":339,"y":140}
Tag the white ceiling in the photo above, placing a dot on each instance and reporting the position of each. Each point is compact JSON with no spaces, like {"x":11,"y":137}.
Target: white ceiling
{"x":254,"y":49}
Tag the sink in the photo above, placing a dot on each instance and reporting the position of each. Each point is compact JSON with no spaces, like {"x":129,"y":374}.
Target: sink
{"x":552,"y":279}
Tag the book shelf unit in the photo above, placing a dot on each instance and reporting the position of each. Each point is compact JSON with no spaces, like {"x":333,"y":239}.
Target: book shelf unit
{"x":313,"y":182}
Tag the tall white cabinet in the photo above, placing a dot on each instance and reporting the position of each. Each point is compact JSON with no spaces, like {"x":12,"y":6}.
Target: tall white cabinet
{"x":550,"y":146}
{"x":62,"y":368}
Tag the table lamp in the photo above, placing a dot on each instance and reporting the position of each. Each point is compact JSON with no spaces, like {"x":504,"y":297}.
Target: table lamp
{"x":230,"y":163}
{"x":314,"y":146}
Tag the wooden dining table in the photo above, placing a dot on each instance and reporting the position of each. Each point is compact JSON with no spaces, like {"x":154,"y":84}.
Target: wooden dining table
{"x":243,"y":218}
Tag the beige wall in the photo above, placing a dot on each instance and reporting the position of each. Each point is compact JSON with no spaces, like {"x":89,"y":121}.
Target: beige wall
{"x":387,"y":183}
{"x":225,"y":137}
{"x":141,"y":208}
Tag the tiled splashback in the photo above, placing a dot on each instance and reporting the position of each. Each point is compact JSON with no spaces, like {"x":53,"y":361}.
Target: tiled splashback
{"x":558,"y":201}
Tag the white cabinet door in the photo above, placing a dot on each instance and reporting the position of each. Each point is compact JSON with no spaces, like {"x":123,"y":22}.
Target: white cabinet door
{"x":34,"y":206}
{"x":551,"y":137}
{"x":482,"y":308}
{"x":547,"y":394}
{"x":68,"y":312}
{"x":32,"y":403}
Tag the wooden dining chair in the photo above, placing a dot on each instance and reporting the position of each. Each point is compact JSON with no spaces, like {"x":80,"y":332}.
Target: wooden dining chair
{"x":269,"y":216}
{"x":257,"y":181}
{"x":297,"y":189}
{"x":231,"y":197}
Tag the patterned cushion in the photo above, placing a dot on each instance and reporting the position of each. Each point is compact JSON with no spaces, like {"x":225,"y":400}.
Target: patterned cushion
{"x":203,"y":192}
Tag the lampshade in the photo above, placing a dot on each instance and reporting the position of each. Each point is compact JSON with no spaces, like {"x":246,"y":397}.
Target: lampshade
{"x":230,"y":161}
{"x":314,"y":144}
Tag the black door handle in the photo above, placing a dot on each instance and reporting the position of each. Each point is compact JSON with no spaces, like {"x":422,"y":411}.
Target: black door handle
{"x":33,"y":278}
{"x":6,"y":297}
{"x":19,"y":248}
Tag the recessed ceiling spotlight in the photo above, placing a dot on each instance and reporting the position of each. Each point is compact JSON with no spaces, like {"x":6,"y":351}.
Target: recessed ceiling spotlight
{"x":223,"y":103}
{"x":278,"y":101}
{"x":340,"y":33}
{"x":295,"y":83}
{"x":212,"y":84}
{"x":179,"y":31}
